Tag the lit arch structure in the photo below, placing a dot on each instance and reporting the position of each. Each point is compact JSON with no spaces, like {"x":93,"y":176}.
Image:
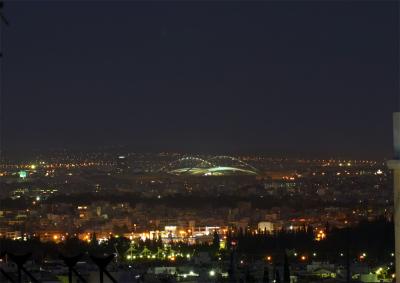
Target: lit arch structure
{"x":215,"y":166}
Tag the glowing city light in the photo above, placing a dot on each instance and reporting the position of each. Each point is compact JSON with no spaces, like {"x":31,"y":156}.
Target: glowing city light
{"x":320,"y":235}
{"x":22,"y":174}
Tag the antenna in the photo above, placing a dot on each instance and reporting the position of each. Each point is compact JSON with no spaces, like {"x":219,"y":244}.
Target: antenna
{"x":3,"y":20}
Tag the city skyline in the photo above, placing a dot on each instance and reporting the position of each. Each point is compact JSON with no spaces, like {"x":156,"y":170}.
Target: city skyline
{"x":200,"y":141}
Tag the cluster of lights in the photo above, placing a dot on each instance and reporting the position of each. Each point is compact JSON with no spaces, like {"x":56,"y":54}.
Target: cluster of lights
{"x":321,"y":235}
{"x":362,"y":256}
{"x":171,"y":257}
{"x":191,"y":273}
{"x":345,"y":164}
{"x":288,"y":178}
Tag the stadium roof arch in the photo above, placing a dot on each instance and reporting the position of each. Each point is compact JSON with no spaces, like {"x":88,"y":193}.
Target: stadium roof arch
{"x":215,"y":166}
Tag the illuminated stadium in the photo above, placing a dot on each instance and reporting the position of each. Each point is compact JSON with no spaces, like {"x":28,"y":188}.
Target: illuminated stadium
{"x":215,"y":166}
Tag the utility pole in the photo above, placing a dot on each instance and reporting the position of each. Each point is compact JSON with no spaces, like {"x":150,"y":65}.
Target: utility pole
{"x":395,"y":166}
{"x":3,"y":22}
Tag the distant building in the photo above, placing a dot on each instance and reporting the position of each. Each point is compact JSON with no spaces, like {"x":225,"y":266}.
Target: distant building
{"x":266,"y":226}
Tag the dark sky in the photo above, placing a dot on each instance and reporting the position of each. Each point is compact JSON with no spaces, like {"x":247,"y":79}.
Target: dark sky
{"x":271,"y":77}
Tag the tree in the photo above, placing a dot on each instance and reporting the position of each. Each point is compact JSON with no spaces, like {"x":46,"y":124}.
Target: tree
{"x":249,"y":277}
{"x":286,"y":270}
{"x":229,"y":240}
{"x":277,"y":276}
{"x":93,"y":240}
{"x":265,"y":278}
{"x":215,"y":244}
{"x":216,"y":241}
{"x":232,"y":267}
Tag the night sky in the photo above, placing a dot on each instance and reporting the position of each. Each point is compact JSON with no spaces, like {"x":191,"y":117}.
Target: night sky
{"x":279,"y":78}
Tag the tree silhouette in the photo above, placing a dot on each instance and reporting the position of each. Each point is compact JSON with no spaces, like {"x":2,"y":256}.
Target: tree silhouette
{"x":248,"y":276}
{"x":216,"y":241}
{"x":265,"y":278}
{"x":277,"y":276}
{"x":286,"y":270}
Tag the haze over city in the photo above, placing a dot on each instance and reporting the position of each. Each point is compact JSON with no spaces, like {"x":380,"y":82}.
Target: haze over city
{"x":313,"y":79}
